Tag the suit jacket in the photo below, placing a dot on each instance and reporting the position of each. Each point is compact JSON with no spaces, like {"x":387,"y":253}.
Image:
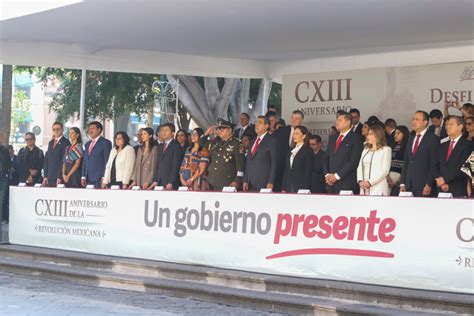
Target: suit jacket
{"x":249,"y":131}
{"x":391,"y":139}
{"x":145,"y":166}
{"x":450,"y":170}
{"x":283,"y":137}
{"x":53,"y":160}
{"x":298,"y":176}
{"x":5,"y":161}
{"x":93,"y":165}
{"x":168,"y":163}
{"x":358,"y":129}
{"x":261,"y":168}
{"x":318,"y":181}
{"x":344,"y":162}
{"x":418,"y":170}
{"x":442,"y":134}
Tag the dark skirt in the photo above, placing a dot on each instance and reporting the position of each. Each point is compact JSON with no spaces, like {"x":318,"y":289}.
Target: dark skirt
{"x":75,"y":179}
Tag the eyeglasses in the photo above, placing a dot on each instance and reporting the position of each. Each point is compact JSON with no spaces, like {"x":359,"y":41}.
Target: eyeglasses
{"x":56,"y":129}
{"x":28,"y":139}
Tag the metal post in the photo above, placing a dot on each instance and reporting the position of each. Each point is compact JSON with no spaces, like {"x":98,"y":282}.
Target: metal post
{"x":83,"y":99}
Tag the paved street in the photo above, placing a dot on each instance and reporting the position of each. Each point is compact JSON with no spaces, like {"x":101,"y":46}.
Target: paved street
{"x":30,"y":296}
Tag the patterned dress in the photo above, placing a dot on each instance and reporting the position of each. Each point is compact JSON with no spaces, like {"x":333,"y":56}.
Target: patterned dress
{"x":192,"y":164}
{"x":72,"y":154}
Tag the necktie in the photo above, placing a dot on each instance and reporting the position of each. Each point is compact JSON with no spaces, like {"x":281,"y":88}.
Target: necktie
{"x":353,"y":128}
{"x":450,"y":150}
{"x":417,"y":144}
{"x":254,"y":149}
{"x":241,"y":132}
{"x":91,"y":146}
{"x":164,"y":148}
{"x":338,"y":142}
{"x":55,"y":143}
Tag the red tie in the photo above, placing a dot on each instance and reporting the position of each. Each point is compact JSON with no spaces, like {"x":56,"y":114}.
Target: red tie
{"x":417,"y":144}
{"x":254,"y":149}
{"x":450,"y":150}
{"x":164,"y":148}
{"x":55,"y":143}
{"x":338,"y":142}
{"x":90,"y":147}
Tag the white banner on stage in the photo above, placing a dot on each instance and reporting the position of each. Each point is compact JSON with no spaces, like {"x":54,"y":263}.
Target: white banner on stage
{"x":407,"y":242}
{"x":395,"y":92}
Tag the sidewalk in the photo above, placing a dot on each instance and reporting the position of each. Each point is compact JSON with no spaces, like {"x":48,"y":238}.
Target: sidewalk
{"x":21,"y":295}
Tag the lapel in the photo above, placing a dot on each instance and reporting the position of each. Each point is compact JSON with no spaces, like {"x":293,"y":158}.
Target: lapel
{"x":424,"y":142}
{"x":262,"y":143}
{"x":455,"y":151}
{"x":344,"y":141}
{"x":168,"y":148}
{"x":95,"y":146}
{"x":57,"y":145}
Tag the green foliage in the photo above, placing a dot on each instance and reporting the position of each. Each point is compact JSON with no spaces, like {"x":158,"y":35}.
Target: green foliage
{"x":21,"y":108}
{"x":108,"y":94}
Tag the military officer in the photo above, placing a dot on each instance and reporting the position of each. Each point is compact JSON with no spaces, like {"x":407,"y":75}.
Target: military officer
{"x":227,"y":162}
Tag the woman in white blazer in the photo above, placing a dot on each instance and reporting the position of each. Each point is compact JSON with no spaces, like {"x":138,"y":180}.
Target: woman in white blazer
{"x":374,"y":164}
{"x":119,"y":168}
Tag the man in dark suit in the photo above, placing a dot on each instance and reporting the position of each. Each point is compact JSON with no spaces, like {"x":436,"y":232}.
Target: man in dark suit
{"x":53,"y":160}
{"x":96,"y":155}
{"x":344,"y":150}
{"x":390,"y":127}
{"x":453,"y":153}
{"x":437,"y":124}
{"x":284,"y":136}
{"x":260,"y":170}
{"x":245,"y":129}
{"x":421,"y":158}
{"x":169,"y":159}
{"x":318,"y":182}
{"x":355,"y":118}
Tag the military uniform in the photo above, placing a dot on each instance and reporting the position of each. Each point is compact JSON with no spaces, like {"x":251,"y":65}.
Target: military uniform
{"x":227,"y":162}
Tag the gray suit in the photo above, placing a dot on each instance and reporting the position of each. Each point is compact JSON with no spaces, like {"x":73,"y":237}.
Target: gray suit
{"x":261,"y":168}
{"x":145,"y":166}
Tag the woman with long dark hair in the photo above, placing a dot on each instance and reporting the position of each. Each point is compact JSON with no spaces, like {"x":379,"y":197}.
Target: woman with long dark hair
{"x":71,"y":169}
{"x":119,"y":168}
{"x":193,"y":171}
{"x":181,"y":137}
{"x":299,"y":163}
{"x":398,"y":153}
{"x":145,"y":162}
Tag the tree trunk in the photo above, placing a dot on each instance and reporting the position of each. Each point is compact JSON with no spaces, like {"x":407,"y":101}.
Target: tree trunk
{"x":149,"y":113}
{"x":121,"y":123}
{"x":183,"y":120}
{"x":7,"y":102}
{"x":260,"y":106}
